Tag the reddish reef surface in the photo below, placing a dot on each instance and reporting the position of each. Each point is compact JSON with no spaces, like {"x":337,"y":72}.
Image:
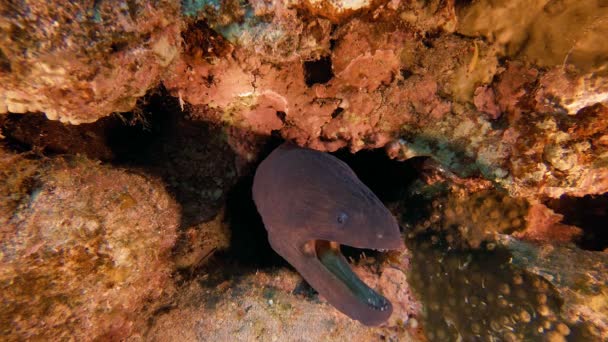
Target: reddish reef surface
{"x":129,"y":131}
{"x":84,"y":248}
{"x":80,"y":61}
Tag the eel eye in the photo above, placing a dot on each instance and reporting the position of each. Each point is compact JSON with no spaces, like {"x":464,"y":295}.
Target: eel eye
{"x":342,"y":217}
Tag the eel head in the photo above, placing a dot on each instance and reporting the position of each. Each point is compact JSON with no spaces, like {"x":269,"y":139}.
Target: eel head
{"x":311,"y":203}
{"x":316,"y":255}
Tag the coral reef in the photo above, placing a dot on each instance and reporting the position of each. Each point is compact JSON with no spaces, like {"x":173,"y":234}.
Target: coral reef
{"x":84,"y":249}
{"x":480,"y":295}
{"x":271,"y":305}
{"x":578,"y":276}
{"x":387,"y":79}
{"x":544,"y":225}
{"x":469,"y":219}
{"x":486,"y":265}
{"x":80,"y":61}
{"x":546,"y":32}
{"x":342,"y":74}
{"x":503,"y":105}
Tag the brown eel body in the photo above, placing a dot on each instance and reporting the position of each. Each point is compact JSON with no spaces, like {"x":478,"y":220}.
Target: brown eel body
{"x":310,"y":203}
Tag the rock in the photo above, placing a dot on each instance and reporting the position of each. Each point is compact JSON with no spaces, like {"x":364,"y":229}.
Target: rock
{"x":78,"y":62}
{"x":544,"y":225}
{"x":382,"y":73}
{"x":84,"y":249}
{"x":578,"y":275}
{"x":508,"y":124}
{"x":485,"y":101}
{"x":264,"y":305}
{"x":561,"y":35}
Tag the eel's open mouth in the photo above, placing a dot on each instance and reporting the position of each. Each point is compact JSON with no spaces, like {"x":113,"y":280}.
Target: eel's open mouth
{"x":328,"y":253}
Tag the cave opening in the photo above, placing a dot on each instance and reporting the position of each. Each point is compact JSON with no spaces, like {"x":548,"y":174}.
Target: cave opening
{"x":118,"y":138}
{"x":588,"y":213}
{"x":159,"y":139}
{"x":388,"y":179}
{"x":318,"y":71}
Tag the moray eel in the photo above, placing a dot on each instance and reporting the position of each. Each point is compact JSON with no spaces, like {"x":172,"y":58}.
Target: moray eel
{"x":310,"y":203}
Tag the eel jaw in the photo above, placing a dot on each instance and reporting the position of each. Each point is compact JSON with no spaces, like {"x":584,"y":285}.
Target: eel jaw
{"x":328,"y":272}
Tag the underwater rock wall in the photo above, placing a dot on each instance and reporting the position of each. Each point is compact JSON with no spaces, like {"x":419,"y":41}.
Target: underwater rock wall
{"x":84,"y":249}
{"x":395,"y":75}
{"x":509,"y":98}
{"x":80,"y":61}
{"x":486,"y":101}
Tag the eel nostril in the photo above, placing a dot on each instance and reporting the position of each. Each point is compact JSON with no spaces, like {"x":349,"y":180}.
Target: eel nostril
{"x":342,"y":217}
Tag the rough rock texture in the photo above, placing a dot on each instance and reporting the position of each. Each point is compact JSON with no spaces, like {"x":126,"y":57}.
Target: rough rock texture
{"x":544,"y":225}
{"x":80,"y":61}
{"x":563,"y":35}
{"x":579,"y":277}
{"x":508,"y":97}
{"x":480,"y":295}
{"x":547,"y":32}
{"x":200,"y":242}
{"x":390,"y":77}
{"x":470,"y":213}
{"x":84,"y":249}
{"x":477,"y":282}
{"x":274,"y":305}
{"x":360,"y":74}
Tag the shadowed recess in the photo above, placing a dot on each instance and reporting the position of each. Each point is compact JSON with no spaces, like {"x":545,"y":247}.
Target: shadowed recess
{"x":157,"y":138}
{"x":192,"y":157}
{"x":34,"y":132}
{"x":588,"y":213}
{"x":318,"y":71}
{"x":387,"y":178}
{"x":248,"y":241}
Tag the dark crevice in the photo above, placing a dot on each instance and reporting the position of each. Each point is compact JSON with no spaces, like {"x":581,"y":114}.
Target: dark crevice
{"x":5,"y":63}
{"x":318,"y":71}
{"x":34,"y":132}
{"x":430,"y":37}
{"x":249,"y":244}
{"x":282,"y":116}
{"x":196,"y":165}
{"x":337,"y":112}
{"x":462,"y":3}
{"x":588,"y":213}
{"x":406,"y":73}
{"x":119,"y":46}
{"x":156,"y":138}
{"x":389,"y":179}
{"x":332,"y":44}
